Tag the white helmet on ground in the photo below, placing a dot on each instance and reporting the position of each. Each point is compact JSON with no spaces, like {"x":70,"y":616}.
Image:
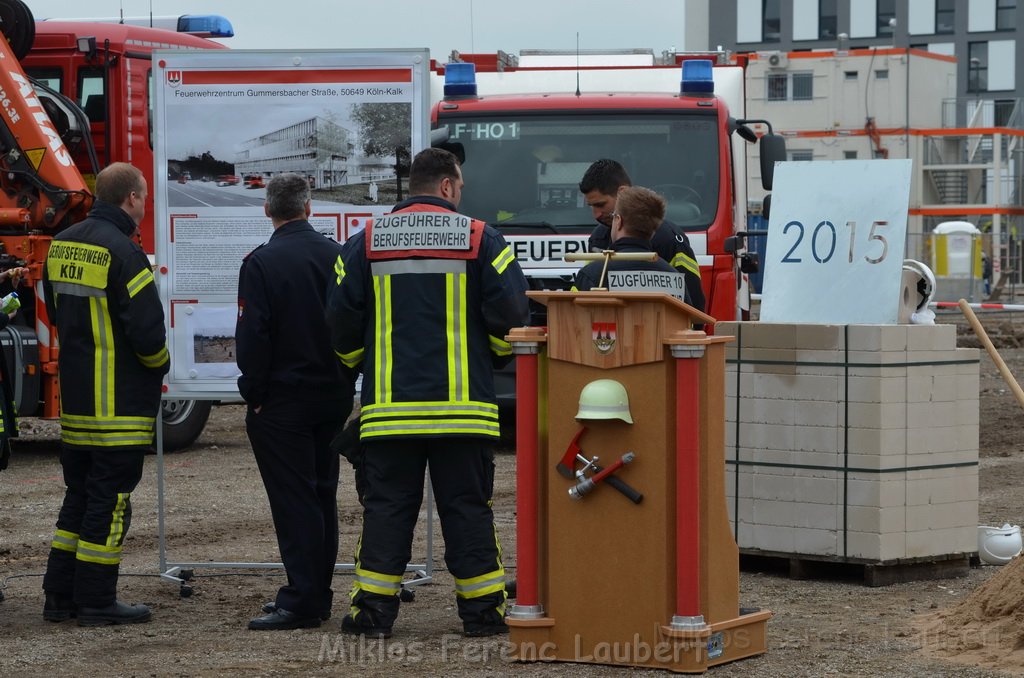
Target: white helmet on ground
{"x":999,"y":545}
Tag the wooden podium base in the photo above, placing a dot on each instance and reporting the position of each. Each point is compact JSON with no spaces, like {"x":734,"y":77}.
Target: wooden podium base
{"x":609,"y":574}
{"x":661,"y":647}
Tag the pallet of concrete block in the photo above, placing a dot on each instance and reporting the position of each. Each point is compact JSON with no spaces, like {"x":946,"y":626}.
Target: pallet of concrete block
{"x":870,"y":572}
{"x":852,"y":443}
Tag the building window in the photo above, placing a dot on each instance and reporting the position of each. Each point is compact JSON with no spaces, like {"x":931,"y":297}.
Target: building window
{"x":790,"y":87}
{"x":1003,"y":112}
{"x":944,"y":13}
{"x":886,"y":16}
{"x":803,"y":86}
{"x":882,"y":74}
{"x":771,"y":18}
{"x":801,"y":155}
{"x":828,"y":20}
{"x":1006,"y":15}
{"x":849,"y":155}
{"x":850,"y":75}
{"x":977,"y":67}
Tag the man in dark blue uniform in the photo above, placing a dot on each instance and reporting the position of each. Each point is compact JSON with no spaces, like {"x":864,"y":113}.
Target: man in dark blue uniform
{"x":298,"y":398}
{"x":600,"y":186}
{"x":637,"y":215}
{"x":423,"y":300}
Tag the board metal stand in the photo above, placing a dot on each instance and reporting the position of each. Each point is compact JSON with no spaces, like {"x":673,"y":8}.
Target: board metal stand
{"x":180,"y":572}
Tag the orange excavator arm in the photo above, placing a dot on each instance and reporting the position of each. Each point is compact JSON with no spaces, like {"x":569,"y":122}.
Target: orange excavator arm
{"x":40,"y":186}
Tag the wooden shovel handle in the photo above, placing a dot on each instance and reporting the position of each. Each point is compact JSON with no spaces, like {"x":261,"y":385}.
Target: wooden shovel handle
{"x":992,"y":352}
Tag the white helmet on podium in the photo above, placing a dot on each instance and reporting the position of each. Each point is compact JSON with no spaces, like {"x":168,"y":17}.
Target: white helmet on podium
{"x":604,"y":399}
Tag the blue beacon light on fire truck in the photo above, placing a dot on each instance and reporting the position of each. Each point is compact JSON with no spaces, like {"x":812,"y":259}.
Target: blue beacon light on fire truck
{"x":459,"y":80}
{"x":207,"y":25}
{"x":697,"y":78}
{"x":199,"y":25}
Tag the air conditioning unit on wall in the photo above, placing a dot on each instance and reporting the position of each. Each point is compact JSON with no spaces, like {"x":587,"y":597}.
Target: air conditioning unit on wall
{"x":778,"y":60}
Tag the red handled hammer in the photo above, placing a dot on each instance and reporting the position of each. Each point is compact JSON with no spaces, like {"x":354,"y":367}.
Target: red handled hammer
{"x":566,"y":467}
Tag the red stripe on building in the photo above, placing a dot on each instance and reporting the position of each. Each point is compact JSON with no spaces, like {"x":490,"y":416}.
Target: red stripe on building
{"x":964,"y":210}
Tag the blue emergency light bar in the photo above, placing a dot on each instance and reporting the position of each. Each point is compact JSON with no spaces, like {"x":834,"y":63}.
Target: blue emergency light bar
{"x":207,"y":25}
{"x":459,"y":80}
{"x":697,"y":78}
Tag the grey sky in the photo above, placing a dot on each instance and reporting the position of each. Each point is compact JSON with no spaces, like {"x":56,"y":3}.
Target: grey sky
{"x":465,"y":25}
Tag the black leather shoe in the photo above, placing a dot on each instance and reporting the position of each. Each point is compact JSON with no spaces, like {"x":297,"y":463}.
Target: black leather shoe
{"x":282,"y":620}
{"x":271,"y":606}
{"x":117,"y":613}
{"x":354,"y":628}
{"x":58,"y":607}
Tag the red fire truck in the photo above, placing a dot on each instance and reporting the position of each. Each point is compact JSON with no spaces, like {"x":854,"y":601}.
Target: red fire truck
{"x":530,"y":126}
{"x":79,"y":100}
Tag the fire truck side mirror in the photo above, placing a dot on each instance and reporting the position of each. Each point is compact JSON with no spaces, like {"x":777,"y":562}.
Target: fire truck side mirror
{"x":735,"y":243}
{"x":742,"y":130}
{"x":773,"y":150}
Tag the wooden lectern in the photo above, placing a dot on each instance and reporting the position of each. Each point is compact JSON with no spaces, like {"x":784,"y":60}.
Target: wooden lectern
{"x":600,"y":578}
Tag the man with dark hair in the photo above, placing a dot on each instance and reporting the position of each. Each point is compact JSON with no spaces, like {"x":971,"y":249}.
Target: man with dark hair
{"x":639,"y":212}
{"x":101,"y":296}
{"x":298,"y":397}
{"x":600,"y":186}
{"x":423,"y":300}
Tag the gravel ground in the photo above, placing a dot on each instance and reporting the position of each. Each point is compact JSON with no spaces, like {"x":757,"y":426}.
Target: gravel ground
{"x":217,"y":511}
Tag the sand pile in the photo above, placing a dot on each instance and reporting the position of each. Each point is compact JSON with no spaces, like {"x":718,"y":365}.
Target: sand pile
{"x":986,"y":628}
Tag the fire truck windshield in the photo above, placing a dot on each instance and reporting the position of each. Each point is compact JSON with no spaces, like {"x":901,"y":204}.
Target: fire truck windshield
{"x":527,"y":169}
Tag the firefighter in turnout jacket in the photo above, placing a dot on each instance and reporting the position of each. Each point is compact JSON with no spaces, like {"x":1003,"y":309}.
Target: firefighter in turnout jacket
{"x":600,"y":186}
{"x":638,"y":211}
{"x":8,"y":411}
{"x":423,"y":299}
{"x":101,"y":296}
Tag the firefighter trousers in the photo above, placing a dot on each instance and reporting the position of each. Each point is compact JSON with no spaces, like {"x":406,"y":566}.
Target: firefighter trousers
{"x":462,"y":477}
{"x":85,"y":553}
{"x":291,"y":442}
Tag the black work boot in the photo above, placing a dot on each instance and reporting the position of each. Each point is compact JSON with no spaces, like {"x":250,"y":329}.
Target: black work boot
{"x":58,"y":607}
{"x":483,"y":616}
{"x":362,"y":625}
{"x":115,"y":613}
{"x":373,"y":615}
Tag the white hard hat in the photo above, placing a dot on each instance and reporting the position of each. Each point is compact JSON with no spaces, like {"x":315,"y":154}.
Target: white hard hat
{"x":925,"y":283}
{"x":999,"y":545}
{"x":604,"y":399}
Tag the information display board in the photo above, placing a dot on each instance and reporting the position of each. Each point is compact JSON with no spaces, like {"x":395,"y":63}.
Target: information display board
{"x":225,"y":122}
{"x":836,"y":237}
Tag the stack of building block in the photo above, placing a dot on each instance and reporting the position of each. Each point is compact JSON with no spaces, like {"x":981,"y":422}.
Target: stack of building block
{"x":852,"y":441}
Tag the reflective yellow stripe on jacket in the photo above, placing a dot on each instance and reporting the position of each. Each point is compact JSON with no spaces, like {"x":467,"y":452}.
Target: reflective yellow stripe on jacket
{"x":136,"y":284}
{"x":103,"y":356}
{"x":429,"y":418}
{"x":106,"y":431}
{"x":158,"y":359}
{"x":689,"y":263}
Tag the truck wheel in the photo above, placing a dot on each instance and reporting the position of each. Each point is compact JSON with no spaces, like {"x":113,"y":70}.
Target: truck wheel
{"x":183,"y":421}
